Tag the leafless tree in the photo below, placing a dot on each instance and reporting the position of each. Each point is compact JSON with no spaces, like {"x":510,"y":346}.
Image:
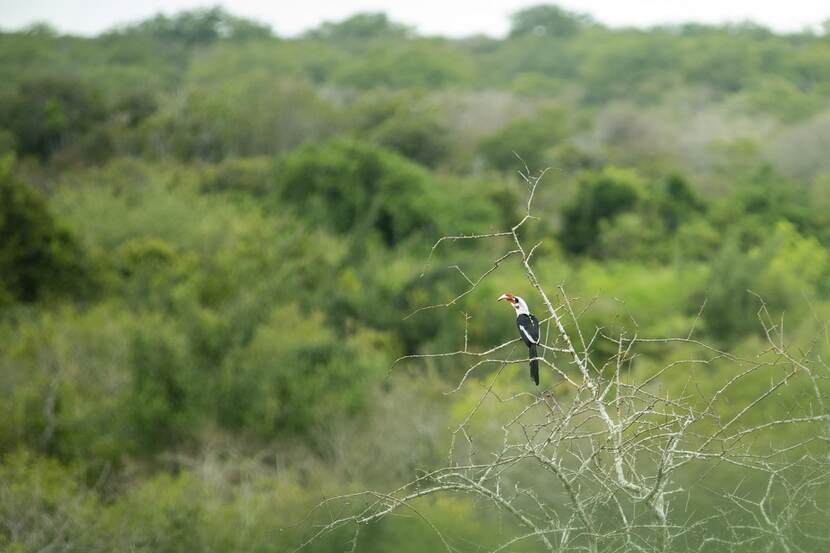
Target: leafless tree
{"x":616,"y":459}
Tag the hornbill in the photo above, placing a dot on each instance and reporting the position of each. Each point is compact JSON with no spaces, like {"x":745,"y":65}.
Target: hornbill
{"x":528,"y":331}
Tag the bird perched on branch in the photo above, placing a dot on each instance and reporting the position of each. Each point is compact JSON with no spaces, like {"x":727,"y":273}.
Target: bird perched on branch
{"x":528,"y":331}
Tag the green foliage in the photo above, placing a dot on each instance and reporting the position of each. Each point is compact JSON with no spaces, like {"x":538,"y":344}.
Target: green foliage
{"x":547,"y":20}
{"x":296,"y":374}
{"x":252,"y":176}
{"x":39,"y":257}
{"x":360,"y":28}
{"x":628,"y":236}
{"x":38,"y":498}
{"x":65,"y":382}
{"x":786,"y":270}
{"x":416,"y":63}
{"x":733,"y":307}
{"x":796,"y":266}
{"x":48,"y":114}
{"x":200,"y":27}
{"x":254,"y":115}
{"x":762,"y":200}
{"x":630,"y":66}
{"x":355,"y":188}
{"x":599,"y":198}
{"x":677,"y":203}
{"x":616,"y":214}
{"x":404,"y":123}
{"x":528,"y":138}
{"x":162,"y":377}
{"x":782,"y":97}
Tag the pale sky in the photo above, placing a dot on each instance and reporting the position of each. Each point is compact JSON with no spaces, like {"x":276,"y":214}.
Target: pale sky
{"x":446,"y":17}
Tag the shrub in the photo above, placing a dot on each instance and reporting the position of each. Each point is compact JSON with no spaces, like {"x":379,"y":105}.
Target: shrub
{"x":363,"y":190}
{"x":296,"y":375}
{"x":47,"y":114}
{"x":600,"y":197}
{"x":39,"y":257}
{"x":529,"y":138}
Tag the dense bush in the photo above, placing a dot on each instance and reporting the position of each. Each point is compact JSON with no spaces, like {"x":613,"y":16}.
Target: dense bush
{"x":47,"y":115}
{"x":364,"y":190}
{"x":599,"y":198}
{"x":39,"y":257}
{"x":525,"y":141}
{"x":786,"y":270}
{"x":547,"y":20}
{"x":406,"y":124}
{"x":297,"y":375}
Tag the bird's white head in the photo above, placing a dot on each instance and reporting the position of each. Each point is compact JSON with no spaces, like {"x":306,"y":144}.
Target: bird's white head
{"x":519,"y":304}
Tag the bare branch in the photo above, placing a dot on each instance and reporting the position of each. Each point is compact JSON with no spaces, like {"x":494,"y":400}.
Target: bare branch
{"x":617,"y":459}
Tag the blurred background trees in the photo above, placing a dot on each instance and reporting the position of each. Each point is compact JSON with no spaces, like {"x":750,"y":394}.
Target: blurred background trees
{"x":211,"y":238}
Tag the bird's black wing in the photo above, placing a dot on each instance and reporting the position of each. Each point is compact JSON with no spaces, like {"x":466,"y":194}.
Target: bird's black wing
{"x":528,"y":328}
{"x":529,"y":332}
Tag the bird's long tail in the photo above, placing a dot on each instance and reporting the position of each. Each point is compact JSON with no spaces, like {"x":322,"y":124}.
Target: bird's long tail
{"x":534,"y":363}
